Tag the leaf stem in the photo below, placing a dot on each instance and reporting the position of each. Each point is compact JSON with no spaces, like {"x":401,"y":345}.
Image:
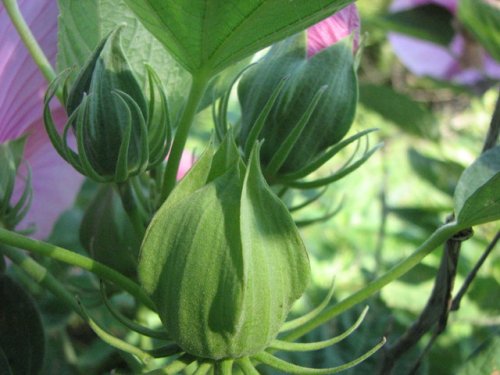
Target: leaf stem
{"x":29,"y":40}
{"x":46,"y":249}
{"x":198,"y":86}
{"x":437,"y":238}
{"x":42,"y":276}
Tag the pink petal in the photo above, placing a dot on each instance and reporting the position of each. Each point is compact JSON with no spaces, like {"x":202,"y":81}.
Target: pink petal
{"x":22,"y":86}
{"x":400,"y":5}
{"x":187,"y":161}
{"x":334,"y":28}
{"x":55,"y":183}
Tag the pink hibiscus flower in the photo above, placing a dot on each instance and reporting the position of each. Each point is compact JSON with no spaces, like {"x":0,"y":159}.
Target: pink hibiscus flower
{"x":22,"y":87}
{"x":463,"y":61}
{"x":334,"y":28}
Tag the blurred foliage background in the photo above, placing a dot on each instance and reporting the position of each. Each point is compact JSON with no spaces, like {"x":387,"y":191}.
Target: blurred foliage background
{"x":431,"y":131}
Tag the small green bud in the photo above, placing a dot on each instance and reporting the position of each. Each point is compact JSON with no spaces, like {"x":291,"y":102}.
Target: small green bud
{"x":311,"y":110}
{"x":222,"y":259}
{"x":120,"y":132}
{"x":107,"y":233}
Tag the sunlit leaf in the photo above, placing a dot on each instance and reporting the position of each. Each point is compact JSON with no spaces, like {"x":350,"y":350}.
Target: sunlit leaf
{"x":210,"y":35}
{"x":477,"y":197}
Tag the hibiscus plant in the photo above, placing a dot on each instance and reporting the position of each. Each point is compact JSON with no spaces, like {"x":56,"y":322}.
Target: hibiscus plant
{"x":171,"y":238}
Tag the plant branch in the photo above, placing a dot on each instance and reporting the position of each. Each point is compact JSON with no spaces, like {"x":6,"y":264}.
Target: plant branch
{"x":55,"y":252}
{"x":437,"y":238}
{"x":494,"y":129}
{"x":198,"y":86}
{"x":42,"y":276}
{"x":29,"y":40}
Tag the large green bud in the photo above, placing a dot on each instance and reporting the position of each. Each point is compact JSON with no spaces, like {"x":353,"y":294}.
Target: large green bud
{"x":299,"y":105}
{"x":120,"y":132}
{"x":222,"y":259}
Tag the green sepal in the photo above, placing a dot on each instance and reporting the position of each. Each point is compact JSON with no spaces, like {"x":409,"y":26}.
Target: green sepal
{"x":223,"y":261}
{"x":331,"y":117}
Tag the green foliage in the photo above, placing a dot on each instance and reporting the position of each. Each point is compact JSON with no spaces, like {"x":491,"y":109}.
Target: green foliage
{"x":482,"y":20}
{"x":22,"y":344}
{"x":476,"y":198}
{"x":486,"y":361}
{"x":428,"y":22}
{"x":214,"y":34}
{"x":404,"y":112}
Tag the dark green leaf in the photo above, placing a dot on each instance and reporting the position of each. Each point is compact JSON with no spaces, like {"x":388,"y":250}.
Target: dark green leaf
{"x":22,"y":337}
{"x":410,"y":116}
{"x":482,"y":19}
{"x":442,"y":174}
{"x":426,"y":218}
{"x":210,"y":35}
{"x":477,"y":197}
{"x":429,"y":22}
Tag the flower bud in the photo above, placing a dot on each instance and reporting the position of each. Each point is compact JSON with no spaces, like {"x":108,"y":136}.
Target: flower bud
{"x":107,"y":233}
{"x":119,"y":132}
{"x":313,"y":102}
{"x":223,"y":259}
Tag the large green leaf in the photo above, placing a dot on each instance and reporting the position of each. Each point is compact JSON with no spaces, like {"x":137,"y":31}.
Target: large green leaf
{"x":210,"y":35}
{"x":21,"y":332}
{"x":477,"y":197}
{"x":482,"y":19}
{"x":82,"y":25}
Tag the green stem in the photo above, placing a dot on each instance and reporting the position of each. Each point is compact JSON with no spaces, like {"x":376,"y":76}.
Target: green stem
{"x":42,"y":276}
{"x":29,"y":40}
{"x":43,"y":248}
{"x":198,"y":85}
{"x":437,"y":238}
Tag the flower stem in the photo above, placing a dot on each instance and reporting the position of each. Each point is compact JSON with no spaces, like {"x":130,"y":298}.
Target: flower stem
{"x":43,"y":248}
{"x":198,"y":86}
{"x":437,"y":238}
{"x":42,"y":276}
{"x":29,"y":40}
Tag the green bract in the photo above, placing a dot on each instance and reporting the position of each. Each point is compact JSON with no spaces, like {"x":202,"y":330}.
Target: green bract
{"x":119,"y":131}
{"x":312,"y":104}
{"x":222,"y":259}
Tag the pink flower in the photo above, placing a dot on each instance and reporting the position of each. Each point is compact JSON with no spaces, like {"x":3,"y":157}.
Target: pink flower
{"x":187,"y":161}
{"x":22,"y":87}
{"x":334,"y":28}
{"x":463,"y":61}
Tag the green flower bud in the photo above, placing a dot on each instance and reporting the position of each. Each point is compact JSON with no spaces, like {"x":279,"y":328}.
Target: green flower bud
{"x":107,"y":233}
{"x":119,"y":131}
{"x":222,"y":259}
{"x":313,"y":102}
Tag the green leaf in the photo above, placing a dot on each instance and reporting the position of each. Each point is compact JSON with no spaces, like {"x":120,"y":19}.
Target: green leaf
{"x":22,"y":338}
{"x":477,"y":197}
{"x":428,"y":22}
{"x":82,"y":25}
{"x":410,"y":116}
{"x":209,"y":35}
{"x":486,"y":361}
{"x":442,"y":174}
{"x":482,"y":19}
